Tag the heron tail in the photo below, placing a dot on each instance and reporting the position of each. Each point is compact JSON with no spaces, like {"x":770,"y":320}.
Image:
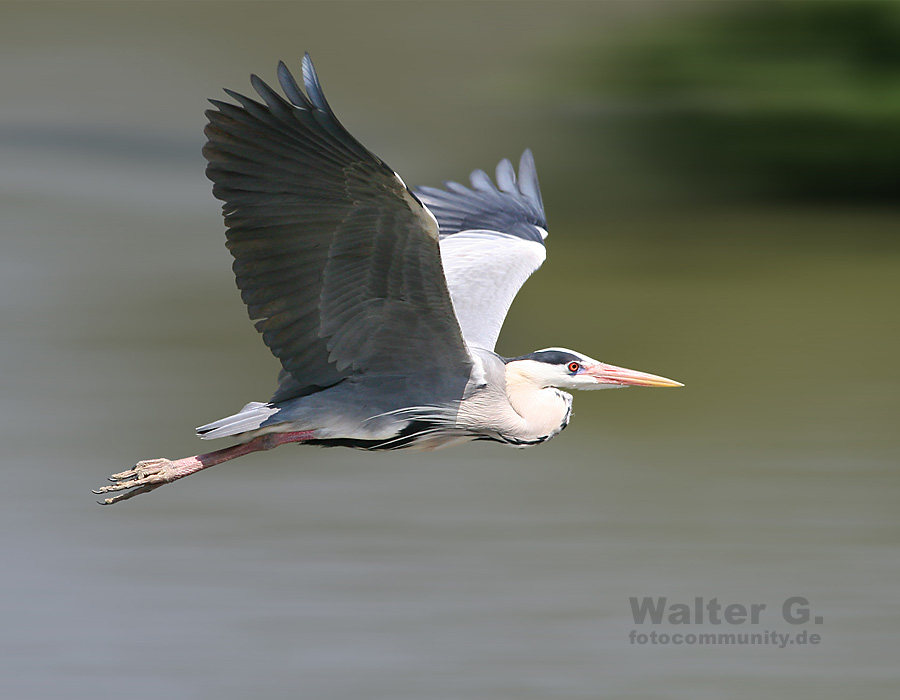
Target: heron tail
{"x":250,"y":417}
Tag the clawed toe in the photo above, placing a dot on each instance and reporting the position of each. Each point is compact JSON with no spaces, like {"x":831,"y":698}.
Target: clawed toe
{"x":146,"y":476}
{"x":135,"y":491}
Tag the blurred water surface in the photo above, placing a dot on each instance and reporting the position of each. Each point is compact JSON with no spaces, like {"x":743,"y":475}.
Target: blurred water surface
{"x":480,"y":572}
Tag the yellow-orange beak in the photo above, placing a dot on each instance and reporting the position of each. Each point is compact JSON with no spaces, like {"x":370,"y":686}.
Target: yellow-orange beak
{"x":619,"y":376}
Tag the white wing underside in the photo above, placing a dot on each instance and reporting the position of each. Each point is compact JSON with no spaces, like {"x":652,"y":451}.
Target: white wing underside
{"x":484,"y":271}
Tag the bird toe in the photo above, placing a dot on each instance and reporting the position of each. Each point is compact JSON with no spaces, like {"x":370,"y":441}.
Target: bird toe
{"x":143,"y":477}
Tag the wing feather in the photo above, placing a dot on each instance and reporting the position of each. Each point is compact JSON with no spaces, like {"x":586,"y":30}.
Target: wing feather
{"x":492,"y":240}
{"x":338,"y":263}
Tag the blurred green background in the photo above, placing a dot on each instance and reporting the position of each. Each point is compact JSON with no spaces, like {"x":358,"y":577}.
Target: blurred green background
{"x":720,"y":181}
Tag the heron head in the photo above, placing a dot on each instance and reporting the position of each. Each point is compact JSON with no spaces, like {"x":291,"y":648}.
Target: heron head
{"x":567,"y":369}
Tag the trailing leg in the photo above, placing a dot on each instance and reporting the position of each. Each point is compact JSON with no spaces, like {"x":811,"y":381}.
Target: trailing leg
{"x":153,"y":473}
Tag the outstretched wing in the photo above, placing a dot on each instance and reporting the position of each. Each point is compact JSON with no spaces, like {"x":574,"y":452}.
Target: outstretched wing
{"x":333,"y":255}
{"x":492,"y":240}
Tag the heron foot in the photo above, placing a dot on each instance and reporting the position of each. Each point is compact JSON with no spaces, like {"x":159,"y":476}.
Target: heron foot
{"x":146,"y":476}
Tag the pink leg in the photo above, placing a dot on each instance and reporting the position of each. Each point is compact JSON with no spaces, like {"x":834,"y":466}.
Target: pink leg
{"x":153,"y":473}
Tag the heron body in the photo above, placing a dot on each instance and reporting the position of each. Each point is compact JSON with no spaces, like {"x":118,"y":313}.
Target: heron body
{"x":383,"y":304}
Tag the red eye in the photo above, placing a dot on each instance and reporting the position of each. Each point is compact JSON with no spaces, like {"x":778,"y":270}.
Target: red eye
{"x":574,"y":367}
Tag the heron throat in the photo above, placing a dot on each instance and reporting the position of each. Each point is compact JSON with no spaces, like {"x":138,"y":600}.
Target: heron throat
{"x":543,"y":410}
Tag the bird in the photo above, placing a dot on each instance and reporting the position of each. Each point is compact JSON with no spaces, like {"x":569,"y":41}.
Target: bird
{"x":383,"y":304}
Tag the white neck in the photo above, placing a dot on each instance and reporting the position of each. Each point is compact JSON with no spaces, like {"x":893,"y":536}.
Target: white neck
{"x":544,"y":410}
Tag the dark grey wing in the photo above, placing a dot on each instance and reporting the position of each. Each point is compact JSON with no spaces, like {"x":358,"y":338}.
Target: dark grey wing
{"x":492,"y":240}
{"x":515,"y":207}
{"x":333,"y":255}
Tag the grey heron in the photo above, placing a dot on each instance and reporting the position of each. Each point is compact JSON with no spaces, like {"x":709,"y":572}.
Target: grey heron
{"x":382,"y":303}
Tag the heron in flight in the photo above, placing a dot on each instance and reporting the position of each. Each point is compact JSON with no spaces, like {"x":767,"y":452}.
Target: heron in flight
{"x":382,"y":303}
